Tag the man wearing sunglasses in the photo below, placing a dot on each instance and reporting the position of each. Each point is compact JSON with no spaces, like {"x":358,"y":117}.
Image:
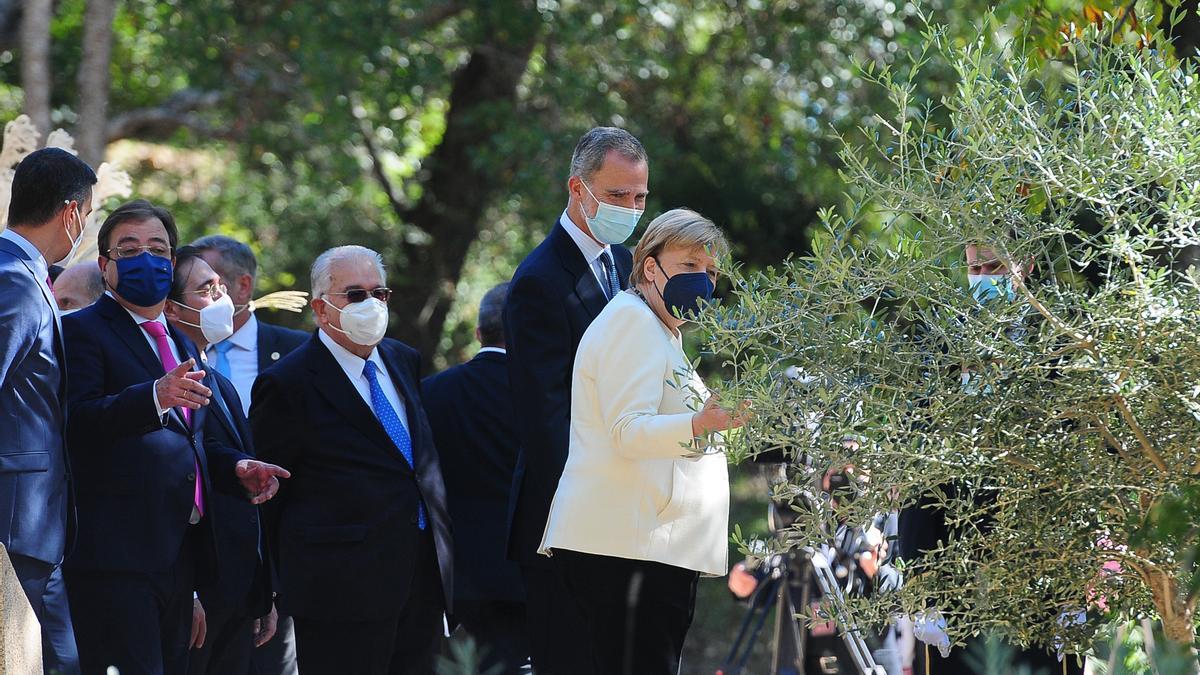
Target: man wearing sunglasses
{"x":144,"y":468}
{"x":360,"y":536}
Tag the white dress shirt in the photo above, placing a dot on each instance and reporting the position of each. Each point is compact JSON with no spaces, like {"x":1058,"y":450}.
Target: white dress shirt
{"x":496,"y":350}
{"x":590,"y":249}
{"x":353,"y":366}
{"x":634,"y":485}
{"x":242,"y":359}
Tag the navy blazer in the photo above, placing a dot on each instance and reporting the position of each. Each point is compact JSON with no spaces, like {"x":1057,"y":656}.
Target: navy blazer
{"x":134,"y":472}
{"x":553,"y":298}
{"x":470,"y":410}
{"x":242,"y":581}
{"x":343,"y":529}
{"x":276,"y":342}
{"x":36,"y":509}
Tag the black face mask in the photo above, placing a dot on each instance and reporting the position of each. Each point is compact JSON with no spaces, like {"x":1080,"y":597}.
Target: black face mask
{"x":683,"y":292}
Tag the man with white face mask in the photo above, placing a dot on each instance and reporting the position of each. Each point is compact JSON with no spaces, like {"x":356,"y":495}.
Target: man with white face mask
{"x":560,"y":287}
{"x":361,"y":537}
{"x":233,"y":614}
{"x":51,"y":198}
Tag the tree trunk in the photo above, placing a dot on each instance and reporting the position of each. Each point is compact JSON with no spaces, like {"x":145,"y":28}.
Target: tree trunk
{"x":456,"y":190}
{"x":91,"y":134}
{"x":35,"y":62}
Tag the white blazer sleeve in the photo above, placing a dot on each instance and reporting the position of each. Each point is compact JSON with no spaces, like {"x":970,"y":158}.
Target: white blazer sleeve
{"x":631,"y":369}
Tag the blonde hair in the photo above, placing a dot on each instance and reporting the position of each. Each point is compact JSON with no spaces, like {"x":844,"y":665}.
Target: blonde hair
{"x":677,"y":227}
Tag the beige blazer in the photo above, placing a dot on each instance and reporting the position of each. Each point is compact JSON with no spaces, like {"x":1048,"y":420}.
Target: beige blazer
{"x":635,"y":486}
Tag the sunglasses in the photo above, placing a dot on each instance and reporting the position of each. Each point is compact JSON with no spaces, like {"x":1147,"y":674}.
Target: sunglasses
{"x":355,"y":295}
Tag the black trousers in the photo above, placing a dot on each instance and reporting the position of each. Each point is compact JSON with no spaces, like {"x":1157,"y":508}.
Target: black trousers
{"x":140,"y":623}
{"x":637,"y":612}
{"x":228,"y":643}
{"x":43,"y":585}
{"x":555,"y":626}
{"x":278,"y":656}
{"x":499,"y":630}
{"x":403,"y":644}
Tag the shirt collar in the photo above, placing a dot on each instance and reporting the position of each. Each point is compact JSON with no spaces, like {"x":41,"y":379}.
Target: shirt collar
{"x":26,"y":246}
{"x":139,"y":319}
{"x":590,"y":248}
{"x":349,"y":362}
{"x":492,"y":350}
{"x":246,"y":337}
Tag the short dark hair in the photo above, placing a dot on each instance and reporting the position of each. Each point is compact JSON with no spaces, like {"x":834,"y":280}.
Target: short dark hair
{"x":235,"y":256}
{"x":136,"y":211}
{"x":491,"y":315}
{"x":185,"y":257}
{"x":44,"y":182}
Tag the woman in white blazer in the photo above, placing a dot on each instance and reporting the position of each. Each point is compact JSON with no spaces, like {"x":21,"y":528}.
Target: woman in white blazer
{"x":642,"y":508}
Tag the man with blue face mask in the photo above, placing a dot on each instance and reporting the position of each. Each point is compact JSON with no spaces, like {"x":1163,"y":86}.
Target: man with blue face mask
{"x":143,"y":466}
{"x":555,"y":294}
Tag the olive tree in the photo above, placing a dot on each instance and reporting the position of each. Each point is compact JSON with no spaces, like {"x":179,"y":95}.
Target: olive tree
{"x":1048,"y":424}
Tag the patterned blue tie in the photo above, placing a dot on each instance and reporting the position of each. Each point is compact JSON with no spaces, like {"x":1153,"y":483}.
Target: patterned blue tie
{"x":610,"y":273}
{"x":393,"y":426}
{"x":221,"y":363}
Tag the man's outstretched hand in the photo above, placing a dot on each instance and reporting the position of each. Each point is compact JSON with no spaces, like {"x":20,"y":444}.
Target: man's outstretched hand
{"x":261,"y":480}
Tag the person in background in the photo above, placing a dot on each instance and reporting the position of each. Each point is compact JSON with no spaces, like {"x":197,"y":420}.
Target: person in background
{"x":144,"y":469}
{"x":51,"y":199}
{"x":642,"y":508}
{"x":556,"y":292}
{"x":77,"y":287}
{"x":236,"y":609}
{"x":470,"y":410}
{"x":254,"y":346}
{"x":361,"y":535}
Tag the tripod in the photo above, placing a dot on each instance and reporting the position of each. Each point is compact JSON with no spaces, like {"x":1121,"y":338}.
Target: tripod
{"x":790,"y":639}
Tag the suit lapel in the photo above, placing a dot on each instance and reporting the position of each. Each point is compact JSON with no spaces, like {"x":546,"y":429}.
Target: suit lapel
{"x":587,"y":288}
{"x":266,"y":345}
{"x":124,"y":327}
{"x":20,"y":254}
{"x":406,"y":387}
{"x":341,"y":394}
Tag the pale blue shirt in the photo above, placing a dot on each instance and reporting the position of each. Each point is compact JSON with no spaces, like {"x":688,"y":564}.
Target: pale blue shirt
{"x":353,"y":367}
{"x":591,"y":250}
{"x":242,"y":358}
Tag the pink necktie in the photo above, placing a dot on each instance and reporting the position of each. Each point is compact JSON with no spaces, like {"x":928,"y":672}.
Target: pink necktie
{"x":159,"y":333}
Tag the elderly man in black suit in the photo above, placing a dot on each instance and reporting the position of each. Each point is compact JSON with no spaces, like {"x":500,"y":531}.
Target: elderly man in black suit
{"x":556,"y":293}
{"x":361,"y":536}
{"x":470,"y":409}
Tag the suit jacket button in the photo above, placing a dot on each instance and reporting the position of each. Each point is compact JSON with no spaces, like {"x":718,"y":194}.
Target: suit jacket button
{"x":413,"y":520}
{"x":274,"y":356}
{"x":191,"y":477}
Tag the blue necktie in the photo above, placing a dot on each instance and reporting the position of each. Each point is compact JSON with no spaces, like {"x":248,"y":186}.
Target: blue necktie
{"x":221,"y":363}
{"x":393,"y":426}
{"x":610,"y":273}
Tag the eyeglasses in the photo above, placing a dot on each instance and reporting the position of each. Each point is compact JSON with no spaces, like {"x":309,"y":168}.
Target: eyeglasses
{"x":354,"y":295}
{"x":129,"y":251}
{"x":213,"y":291}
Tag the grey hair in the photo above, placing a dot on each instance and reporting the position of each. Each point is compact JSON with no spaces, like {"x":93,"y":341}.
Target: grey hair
{"x":322,"y":267}
{"x":236,"y":258}
{"x":491,"y":315}
{"x":595,"y":145}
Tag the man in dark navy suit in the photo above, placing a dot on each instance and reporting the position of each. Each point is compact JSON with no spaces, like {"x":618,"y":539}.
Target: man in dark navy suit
{"x":143,"y":467}
{"x":51,"y":199}
{"x":254,"y":346}
{"x":470,"y":410}
{"x":236,"y":609}
{"x":556,"y":293}
{"x":360,"y":535}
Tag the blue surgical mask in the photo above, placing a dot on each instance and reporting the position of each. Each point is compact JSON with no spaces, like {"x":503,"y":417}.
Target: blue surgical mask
{"x":144,"y":280}
{"x":612,"y":224}
{"x":986,"y":287}
{"x":683,"y":292}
